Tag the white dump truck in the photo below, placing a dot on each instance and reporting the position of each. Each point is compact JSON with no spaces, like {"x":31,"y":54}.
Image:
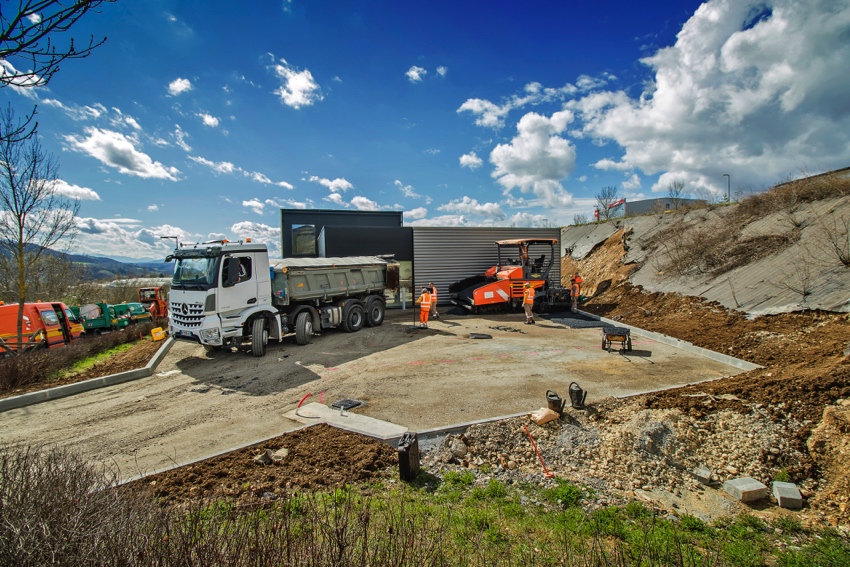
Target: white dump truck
{"x":227,"y":294}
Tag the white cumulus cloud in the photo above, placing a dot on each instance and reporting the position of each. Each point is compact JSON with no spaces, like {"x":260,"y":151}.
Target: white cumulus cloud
{"x":363,"y":204}
{"x":753,"y":88}
{"x":255,"y":205}
{"x":471,"y":160}
{"x":407,"y":190}
{"x":334,"y":185}
{"x":298,"y":88}
{"x":415,"y":74}
{"x":208,"y":119}
{"x":119,"y":151}
{"x":537,"y":159}
{"x":178,"y":86}
{"x":417,"y":213}
{"x":66,"y":189}
{"x":472,"y":206}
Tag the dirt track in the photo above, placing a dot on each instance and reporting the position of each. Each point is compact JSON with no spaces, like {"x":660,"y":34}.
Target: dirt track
{"x":198,"y":404}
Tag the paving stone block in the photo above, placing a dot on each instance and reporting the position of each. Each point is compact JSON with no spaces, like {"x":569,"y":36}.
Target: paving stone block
{"x":746,"y":489}
{"x":788,"y":495}
{"x":702,"y":474}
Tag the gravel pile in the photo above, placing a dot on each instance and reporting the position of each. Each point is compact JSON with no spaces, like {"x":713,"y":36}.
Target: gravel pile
{"x":619,"y":446}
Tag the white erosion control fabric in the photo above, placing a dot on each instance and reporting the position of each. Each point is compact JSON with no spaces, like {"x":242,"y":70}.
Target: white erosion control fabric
{"x":774,"y":284}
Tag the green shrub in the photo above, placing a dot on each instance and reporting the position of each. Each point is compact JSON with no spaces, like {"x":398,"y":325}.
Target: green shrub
{"x":565,"y":494}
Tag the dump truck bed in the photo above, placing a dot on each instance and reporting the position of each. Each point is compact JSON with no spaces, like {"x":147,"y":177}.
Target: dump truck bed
{"x":301,"y":279}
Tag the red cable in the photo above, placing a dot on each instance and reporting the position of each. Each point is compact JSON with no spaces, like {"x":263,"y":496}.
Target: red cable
{"x":546,"y":474}
{"x":304,"y":398}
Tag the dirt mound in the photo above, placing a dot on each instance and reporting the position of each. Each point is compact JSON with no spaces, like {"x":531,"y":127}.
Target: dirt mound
{"x":317,"y":457}
{"x":829,"y":445}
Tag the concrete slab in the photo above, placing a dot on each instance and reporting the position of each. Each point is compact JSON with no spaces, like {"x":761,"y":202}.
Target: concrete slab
{"x":319,"y":413}
{"x":745,"y":489}
{"x":199,"y":404}
{"x":787,"y":495}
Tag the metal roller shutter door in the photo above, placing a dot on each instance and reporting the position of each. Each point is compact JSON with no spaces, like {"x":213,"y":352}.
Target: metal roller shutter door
{"x":444,"y":255}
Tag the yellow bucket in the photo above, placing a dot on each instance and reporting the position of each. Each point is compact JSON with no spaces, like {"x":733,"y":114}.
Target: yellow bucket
{"x":158,"y":334}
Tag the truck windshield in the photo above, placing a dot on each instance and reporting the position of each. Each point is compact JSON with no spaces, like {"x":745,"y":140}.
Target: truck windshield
{"x":194,"y":273}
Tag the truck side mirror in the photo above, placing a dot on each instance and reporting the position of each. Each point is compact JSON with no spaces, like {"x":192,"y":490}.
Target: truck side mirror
{"x":232,"y":272}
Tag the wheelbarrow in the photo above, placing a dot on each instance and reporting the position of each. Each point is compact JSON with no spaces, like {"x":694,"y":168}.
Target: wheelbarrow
{"x":620,"y":335}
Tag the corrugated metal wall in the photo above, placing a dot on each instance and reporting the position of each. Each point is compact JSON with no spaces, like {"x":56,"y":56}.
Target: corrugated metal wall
{"x":444,"y":255}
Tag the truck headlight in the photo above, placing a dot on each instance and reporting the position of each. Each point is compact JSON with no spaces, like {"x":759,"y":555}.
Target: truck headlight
{"x":210,"y":335}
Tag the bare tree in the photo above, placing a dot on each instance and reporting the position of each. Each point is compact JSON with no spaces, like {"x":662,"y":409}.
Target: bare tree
{"x":604,"y":199}
{"x":676,"y":193}
{"x":579,"y":219}
{"x":28,"y":55}
{"x":33,"y":215}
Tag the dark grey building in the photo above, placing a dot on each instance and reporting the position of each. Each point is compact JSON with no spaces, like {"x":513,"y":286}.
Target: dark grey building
{"x":300,"y":228}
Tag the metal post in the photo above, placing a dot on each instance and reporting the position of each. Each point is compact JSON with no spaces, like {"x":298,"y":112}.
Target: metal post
{"x":728,"y":187}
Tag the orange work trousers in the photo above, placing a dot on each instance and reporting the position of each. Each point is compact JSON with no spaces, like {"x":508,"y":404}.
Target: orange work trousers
{"x":423,"y":315}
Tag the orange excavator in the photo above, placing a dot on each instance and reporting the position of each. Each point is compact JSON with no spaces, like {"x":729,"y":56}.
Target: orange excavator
{"x":154,"y":300}
{"x":500,"y":288}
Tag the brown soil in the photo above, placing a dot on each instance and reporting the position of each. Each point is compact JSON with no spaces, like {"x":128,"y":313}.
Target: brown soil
{"x":135,"y":357}
{"x":318,"y":457}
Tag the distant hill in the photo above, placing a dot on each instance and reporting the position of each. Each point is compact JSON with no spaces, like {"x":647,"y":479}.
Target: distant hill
{"x":107,"y":268}
{"x":101,"y":268}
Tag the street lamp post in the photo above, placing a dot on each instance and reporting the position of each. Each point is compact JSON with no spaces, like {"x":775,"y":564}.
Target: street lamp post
{"x":728,"y":187}
{"x":176,"y":240}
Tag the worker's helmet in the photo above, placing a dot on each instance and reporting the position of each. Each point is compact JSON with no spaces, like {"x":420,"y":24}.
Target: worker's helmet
{"x":527,"y":284}
{"x":424,"y":290}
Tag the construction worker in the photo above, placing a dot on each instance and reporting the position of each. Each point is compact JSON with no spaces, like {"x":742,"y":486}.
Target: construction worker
{"x":424,"y":303}
{"x":575,"y":288}
{"x":528,"y":303}
{"x":433,"y":290}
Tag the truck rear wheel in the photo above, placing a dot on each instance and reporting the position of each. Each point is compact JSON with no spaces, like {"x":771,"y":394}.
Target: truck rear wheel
{"x":374,"y":312}
{"x":303,"y":328}
{"x":259,"y":337}
{"x":353,"y":317}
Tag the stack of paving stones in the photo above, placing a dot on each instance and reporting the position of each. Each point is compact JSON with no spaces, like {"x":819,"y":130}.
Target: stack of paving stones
{"x":618,"y":447}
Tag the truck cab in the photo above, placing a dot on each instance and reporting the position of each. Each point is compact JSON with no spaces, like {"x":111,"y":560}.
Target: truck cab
{"x":217,"y":288}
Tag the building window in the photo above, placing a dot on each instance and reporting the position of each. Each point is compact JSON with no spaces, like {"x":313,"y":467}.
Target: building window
{"x":303,"y":240}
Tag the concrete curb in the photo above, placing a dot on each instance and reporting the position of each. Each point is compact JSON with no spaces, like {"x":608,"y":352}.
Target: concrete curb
{"x":684,"y":345}
{"x":87,"y":385}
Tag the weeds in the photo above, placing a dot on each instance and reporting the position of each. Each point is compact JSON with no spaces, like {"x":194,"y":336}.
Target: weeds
{"x":56,"y":508}
{"x":41,"y":365}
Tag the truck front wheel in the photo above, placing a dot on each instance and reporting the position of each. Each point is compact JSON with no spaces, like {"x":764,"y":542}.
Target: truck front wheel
{"x":303,"y":328}
{"x":259,"y":337}
{"x":353,"y":317}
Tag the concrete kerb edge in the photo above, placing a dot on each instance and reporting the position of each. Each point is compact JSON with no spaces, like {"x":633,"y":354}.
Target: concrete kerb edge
{"x":87,"y":385}
{"x":684,"y":345}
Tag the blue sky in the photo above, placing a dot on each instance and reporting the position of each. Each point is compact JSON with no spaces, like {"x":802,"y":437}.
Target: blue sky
{"x":201,"y":119}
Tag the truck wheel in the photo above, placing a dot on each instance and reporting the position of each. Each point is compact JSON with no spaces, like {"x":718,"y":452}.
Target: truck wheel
{"x":303,"y":328}
{"x":212,"y":348}
{"x":259,"y":337}
{"x":353,"y":317}
{"x":374,"y":312}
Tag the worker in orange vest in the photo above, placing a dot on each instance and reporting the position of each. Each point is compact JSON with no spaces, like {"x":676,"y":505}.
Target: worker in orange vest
{"x":433,"y":290}
{"x":574,"y":292}
{"x":528,"y":303}
{"x":424,"y":303}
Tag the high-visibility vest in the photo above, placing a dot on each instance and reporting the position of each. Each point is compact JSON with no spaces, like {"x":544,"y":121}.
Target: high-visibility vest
{"x":425,"y":301}
{"x":434,"y":294}
{"x":574,"y":289}
{"x":528,"y":295}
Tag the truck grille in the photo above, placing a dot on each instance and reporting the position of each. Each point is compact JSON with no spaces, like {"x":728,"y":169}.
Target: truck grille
{"x":187,"y":315}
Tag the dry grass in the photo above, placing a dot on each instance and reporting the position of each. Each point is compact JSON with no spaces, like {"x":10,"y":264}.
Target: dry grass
{"x":40,"y":365}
